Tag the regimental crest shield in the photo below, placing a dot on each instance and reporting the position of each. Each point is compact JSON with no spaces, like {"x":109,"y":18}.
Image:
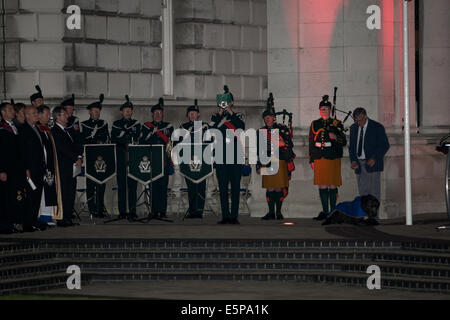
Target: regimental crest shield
{"x":145,"y":166}
{"x":100,"y":165}
{"x":198,"y":168}
{"x":146,"y":162}
{"x":100,"y":162}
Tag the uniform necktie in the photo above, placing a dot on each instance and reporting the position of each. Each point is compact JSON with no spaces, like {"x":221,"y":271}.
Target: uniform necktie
{"x":360,"y":142}
{"x":67,"y":131}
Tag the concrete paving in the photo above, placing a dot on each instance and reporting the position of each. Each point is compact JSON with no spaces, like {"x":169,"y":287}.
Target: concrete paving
{"x":250,"y":228}
{"x":236,"y":290}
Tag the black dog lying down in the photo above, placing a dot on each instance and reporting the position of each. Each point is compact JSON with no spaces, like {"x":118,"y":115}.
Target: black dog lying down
{"x":361,"y":212}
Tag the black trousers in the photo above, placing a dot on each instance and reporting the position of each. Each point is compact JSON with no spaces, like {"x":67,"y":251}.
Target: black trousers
{"x":227,"y":173}
{"x":196,"y":196}
{"x":95,"y":194}
{"x":34,"y":203}
{"x":13,"y":205}
{"x":159,"y":194}
{"x":68,"y":189}
{"x":6,"y":218}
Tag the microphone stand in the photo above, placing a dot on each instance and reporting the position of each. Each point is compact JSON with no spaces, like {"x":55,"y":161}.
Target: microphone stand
{"x":126,"y":189}
{"x":148,"y":195}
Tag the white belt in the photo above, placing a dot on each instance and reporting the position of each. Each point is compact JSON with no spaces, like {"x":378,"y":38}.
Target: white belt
{"x":325,"y":144}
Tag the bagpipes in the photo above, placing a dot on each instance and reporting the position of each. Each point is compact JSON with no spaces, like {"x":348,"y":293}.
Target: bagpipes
{"x":288,"y":148}
{"x":334,"y":109}
{"x":444,"y":144}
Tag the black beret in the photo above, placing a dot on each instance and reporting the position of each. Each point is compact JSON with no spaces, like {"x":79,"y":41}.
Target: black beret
{"x":127,"y":104}
{"x":36,"y":95}
{"x":159,"y":105}
{"x":97,"y":104}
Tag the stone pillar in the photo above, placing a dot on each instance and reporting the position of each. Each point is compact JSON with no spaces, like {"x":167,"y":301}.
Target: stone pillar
{"x":435,"y":52}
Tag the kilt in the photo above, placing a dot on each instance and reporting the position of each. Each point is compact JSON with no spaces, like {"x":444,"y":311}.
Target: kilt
{"x":278,"y":180}
{"x":327,"y":172}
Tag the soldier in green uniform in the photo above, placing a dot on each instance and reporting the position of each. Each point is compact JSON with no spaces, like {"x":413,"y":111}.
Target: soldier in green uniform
{"x":159,"y":132}
{"x":229,"y":171}
{"x":73,"y":123}
{"x":196,"y":191}
{"x":326,"y":142}
{"x":124,"y":132}
{"x":95,"y":131}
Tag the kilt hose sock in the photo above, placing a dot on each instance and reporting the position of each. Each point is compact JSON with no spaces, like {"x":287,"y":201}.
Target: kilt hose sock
{"x":333,"y":194}
{"x":278,"y":200}
{"x":270,"y":201}
{"x":324,"y":199}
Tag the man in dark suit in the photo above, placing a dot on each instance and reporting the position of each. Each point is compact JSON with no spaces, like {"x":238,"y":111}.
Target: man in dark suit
{"x":12,"y":172}
{"x":368,"y":145}
{"x":34,"y":160}
{"x":68,"y":157}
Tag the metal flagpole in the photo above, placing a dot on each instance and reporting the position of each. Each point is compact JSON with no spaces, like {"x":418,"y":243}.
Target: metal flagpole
{"x":407,"y":134}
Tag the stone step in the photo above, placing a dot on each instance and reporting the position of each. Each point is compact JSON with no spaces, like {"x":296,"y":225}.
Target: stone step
{"x":244,"y":244}
{"x":33,"y":283}
{"x":33,"y":268}
{"x":309,"y":276}
{"x":405,"y":257}
{"x":241,"y":265}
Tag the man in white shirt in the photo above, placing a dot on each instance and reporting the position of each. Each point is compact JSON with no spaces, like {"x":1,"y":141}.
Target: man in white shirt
{"x":368,"y":145}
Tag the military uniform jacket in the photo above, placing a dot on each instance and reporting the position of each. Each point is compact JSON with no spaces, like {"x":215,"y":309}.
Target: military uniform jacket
{"x":224,"y":122}
{"x":156,"y":133}
{"x":189,"y":126}
{"x":125,"y":132}
{"x":73,"y":127}
{"x":94,"y":132}
{"x":285,"y":143}
{"x":320,"y":144}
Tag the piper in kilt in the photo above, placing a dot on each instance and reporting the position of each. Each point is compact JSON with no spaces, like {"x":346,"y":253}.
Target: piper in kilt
{"x":95,"y":131}
{"x":326,"y":142}
{"x":276,"y":185}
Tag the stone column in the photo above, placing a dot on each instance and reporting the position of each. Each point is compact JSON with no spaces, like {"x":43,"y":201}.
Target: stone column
{"x":435,"y":66}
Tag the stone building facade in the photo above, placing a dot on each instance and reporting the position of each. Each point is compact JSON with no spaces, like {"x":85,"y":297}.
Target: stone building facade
{"x":297,"y":49}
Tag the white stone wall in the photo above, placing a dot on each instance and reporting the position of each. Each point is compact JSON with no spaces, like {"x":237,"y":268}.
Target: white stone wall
{"x":116,"y":52}
{"x":221,"y":42}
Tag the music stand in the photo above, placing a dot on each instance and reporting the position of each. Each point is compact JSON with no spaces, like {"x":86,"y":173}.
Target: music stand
{"x":193,"y":172}
{"x":119,"y":218}
{"x":148,"y":184}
